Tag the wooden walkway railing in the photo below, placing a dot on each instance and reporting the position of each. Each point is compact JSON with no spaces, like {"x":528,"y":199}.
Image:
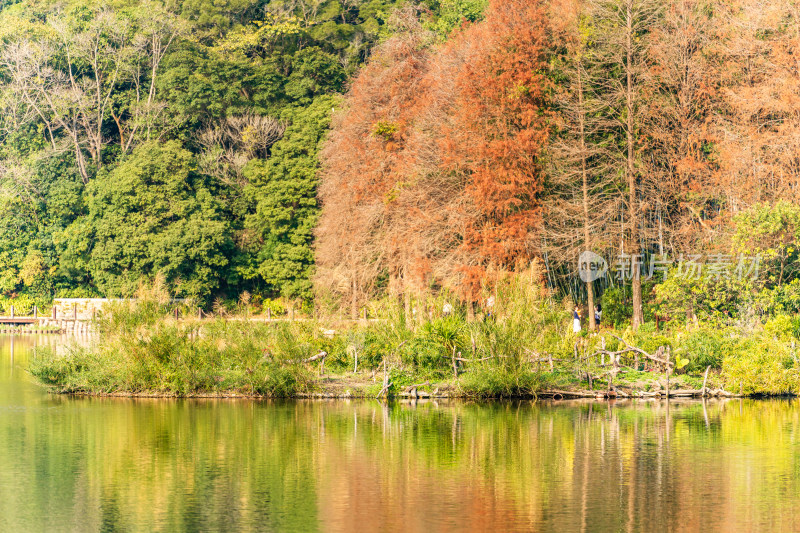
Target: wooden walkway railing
{"x":63,"y":322}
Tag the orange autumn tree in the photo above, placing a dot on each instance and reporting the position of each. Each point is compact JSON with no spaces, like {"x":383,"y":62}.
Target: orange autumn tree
{"x":758,"y":123}
{"x":498,"y":135}
{"x":431,"y":176}
{"x":362,"y":164}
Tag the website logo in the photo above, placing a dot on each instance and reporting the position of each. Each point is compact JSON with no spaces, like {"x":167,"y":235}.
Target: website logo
{"x":591,"y":266}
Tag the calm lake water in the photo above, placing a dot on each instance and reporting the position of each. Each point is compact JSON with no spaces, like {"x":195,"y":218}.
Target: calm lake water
{"x":89,"y":464}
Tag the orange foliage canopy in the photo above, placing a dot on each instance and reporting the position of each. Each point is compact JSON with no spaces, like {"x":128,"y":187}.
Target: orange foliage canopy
{"x":501,"y":129}
{"x":431,"y":173}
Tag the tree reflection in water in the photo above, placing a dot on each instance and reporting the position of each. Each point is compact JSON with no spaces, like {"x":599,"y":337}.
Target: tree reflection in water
{"x":228,"y":465}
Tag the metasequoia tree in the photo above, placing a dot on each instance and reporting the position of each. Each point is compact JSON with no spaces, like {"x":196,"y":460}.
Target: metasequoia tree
{"x":361,"y":166}
{"x":758,"y":126}
{"x":501,"y":130}
{"x":622,"y":38}
{"x":432,"y":176}
{"x":580,"y":200}
{"x":683,"y":93}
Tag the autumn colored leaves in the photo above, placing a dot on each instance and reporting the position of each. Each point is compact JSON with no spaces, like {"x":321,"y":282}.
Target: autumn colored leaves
{"x":432,"y":171}
{"x":637,"y":127}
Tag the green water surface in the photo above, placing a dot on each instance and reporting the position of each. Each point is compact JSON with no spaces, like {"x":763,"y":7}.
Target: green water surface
{"x":102,"y":464}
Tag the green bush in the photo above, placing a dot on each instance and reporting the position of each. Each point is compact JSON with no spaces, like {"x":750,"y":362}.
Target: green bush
{"x":782,"y":299}
{"x":448,"y":334}
{"x":705,"y":347}
{"x":781,"y":327}
{"x":761,"y":365}
{"x":421,"y":353}
{"x":488,"y":382}
{"x":23,"y":304}
{"x":617,"y":306}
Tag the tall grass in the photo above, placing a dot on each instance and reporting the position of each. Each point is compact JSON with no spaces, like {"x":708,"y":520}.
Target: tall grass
{"x":143,"y":349}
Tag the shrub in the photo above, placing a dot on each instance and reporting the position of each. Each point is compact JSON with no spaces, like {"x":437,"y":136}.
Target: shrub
{"x":705,"y":347}
{"x":489,"y":382}
{"x":761,"y":365}
{"x":781,"y":327}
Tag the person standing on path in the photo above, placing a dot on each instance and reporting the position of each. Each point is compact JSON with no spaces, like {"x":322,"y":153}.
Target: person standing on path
{"x":576,"y":320}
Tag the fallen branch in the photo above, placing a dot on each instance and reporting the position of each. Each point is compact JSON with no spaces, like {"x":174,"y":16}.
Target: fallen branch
{"x":464,"y":360}
{"x":412,"y":389}
{"x":384,"y":390}
{"x":620,"y":393}
{"x":684,"y":393}
{"x":573,"y":394}
{"x":386,"y":382}
{"x":320,"y":355}
{"x":634,"y":349}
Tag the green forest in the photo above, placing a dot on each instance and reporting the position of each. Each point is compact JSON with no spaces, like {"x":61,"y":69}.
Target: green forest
{"x":174,"y":138}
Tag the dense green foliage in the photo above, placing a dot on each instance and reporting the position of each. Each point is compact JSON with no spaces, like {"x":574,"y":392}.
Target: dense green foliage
{"x":153,"y":214}
{"x":177,"y":138}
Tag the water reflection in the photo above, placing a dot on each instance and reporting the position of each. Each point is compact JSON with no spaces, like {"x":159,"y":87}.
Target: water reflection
{"x":73,"y":464}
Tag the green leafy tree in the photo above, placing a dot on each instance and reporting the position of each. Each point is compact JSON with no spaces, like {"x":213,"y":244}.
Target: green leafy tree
{"x":771,"y":231}
{"x":453,"y":13}
{"x":284,"y":192}
{"x":151,"y":215}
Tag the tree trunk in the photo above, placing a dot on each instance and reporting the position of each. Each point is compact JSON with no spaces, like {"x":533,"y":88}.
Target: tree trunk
{"x":633,"y":243}
{"x":585,"y":190}
{"x":638,"y":310}
{"x":354,"y":301}
{"x":407,"y":307}
{"x":423,"y":311}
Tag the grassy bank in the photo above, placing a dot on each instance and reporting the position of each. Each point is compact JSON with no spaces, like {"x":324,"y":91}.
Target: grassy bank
{"x":142,"y":349}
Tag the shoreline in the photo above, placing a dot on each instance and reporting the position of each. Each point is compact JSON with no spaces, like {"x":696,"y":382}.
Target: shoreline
{"x":437,"y":394}
{"x":143,"y":351}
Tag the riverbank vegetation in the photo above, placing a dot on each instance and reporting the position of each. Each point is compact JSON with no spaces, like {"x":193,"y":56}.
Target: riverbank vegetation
{"x":525,"y":349}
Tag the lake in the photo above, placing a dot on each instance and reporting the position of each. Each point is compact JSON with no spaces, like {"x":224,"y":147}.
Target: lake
{"x":114,"y":464}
